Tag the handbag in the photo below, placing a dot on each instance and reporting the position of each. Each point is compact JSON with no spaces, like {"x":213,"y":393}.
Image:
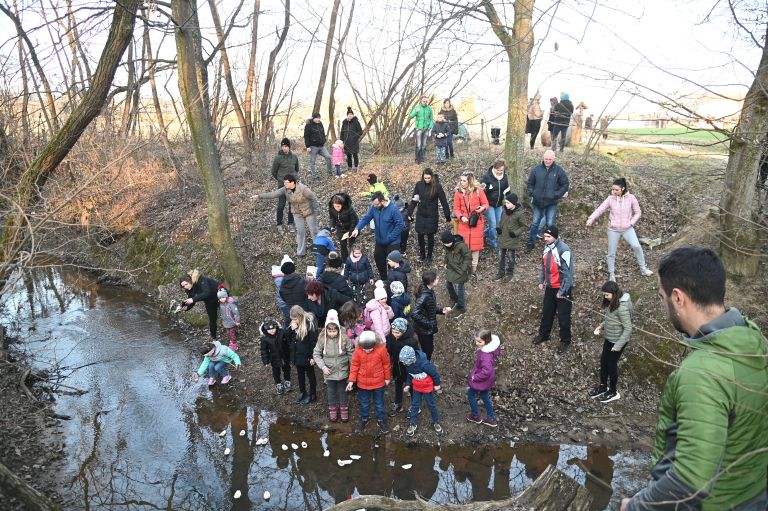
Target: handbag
{"x":473,"y":219}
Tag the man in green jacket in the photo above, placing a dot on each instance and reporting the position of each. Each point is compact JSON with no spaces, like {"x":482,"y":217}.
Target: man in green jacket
{"x":424,"y":121}
{"x":458,"y":265}
{"x":285,"y":163}
{"x":711,"y":449}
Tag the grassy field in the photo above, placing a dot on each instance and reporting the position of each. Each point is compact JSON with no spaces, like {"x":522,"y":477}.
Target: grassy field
{"x":679,"y":135}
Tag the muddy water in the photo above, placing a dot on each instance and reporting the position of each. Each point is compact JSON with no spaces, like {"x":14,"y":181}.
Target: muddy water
{"x":145,"y":437}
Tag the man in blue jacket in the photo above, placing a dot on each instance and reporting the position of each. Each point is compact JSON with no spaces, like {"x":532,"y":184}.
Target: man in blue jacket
{"x":547,"y":185}
{"x":389,"y":226}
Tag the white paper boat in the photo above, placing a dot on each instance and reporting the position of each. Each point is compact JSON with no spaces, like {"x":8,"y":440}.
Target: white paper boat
{"x":226,"y":451}
{"x":223,"y":433}
{"x":242,"y":432}
{"x":294,"y":446}
{"x":238,"y":494}
{"x":261,"y":441}
{"x":285,"y":447}
{"x":267,"y":495}
{"x":355,"y":456}
{"x":303,"y":445}
{"x":408,"y":466}
{"x":343,"y":463}
{"x":326,"y":453}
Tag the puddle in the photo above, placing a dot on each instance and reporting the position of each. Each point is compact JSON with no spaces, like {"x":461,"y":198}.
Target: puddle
{"x":145,"y":437}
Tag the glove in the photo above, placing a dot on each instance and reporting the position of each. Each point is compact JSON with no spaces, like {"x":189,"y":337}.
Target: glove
{"x":498,"y":230}
{"x":512,"y":234}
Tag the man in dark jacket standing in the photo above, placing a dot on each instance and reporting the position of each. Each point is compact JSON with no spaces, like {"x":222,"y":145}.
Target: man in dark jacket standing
{"x":547,"y":185}
{"x":314,"y":140}
{"x":285,"y":163}
{"x":563,"y":113}
{"x":292,"y":287}
{"x":389,"y":226}
{"x":556,"y":280}
{"x":496,"y":186}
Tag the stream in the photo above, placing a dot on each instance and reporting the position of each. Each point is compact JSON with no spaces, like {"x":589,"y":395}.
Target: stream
{"x":144,"y":437}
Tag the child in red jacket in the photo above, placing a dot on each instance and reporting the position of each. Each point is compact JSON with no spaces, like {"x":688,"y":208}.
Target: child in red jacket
{"x":371,"y":370}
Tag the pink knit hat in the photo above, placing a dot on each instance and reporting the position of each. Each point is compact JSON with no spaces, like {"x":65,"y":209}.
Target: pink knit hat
{"x":379,"y":292}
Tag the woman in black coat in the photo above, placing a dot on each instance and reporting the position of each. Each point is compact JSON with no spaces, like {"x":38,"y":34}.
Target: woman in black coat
{"x":351,"y":131}
{"x":200,"y":288}
{"x":426,"y":195}
{"x":343,"y":221}
{"x":301,"y":336}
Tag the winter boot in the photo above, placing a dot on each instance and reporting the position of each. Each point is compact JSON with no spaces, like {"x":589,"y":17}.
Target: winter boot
{"x":344,"y":413}
{"x":333,"y":413}
{"x":287,"y":386}
{"x":301,"y":397}
{"x":279,"y":388}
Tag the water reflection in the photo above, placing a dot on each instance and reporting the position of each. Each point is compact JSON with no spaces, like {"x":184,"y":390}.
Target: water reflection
{"x":144,"y":438}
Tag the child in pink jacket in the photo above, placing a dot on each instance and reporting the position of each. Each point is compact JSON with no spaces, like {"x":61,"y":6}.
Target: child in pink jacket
{"x":337,"y":157}
{"x":624,"y":213}
{"x":378,"y":313}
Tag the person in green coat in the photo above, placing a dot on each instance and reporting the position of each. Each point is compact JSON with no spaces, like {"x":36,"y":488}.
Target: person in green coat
{"x":711,"y":447}
{"x":285,"y":163}
{"x":458,"y":266}
{"x":425,"y":118}
{"x":616,"y":329}
{"x":510,"y":228}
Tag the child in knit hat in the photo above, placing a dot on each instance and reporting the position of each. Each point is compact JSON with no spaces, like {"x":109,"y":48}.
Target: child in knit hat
{"x":230,"y":315}
{"x":401,"y":205}
{"x":371,"y":370}
{"x":274,"y":353}
{"x":337,"y":157}
{"x":400,"y":336}
{"x":423,"y":379}
{"x":400,"y":301}
{"x":377,"y":312}
{"x":358,"y":270}
{"x":277,"y":276}
{"x":333,"y":354}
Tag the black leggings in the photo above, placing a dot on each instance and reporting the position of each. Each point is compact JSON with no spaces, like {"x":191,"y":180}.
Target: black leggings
{"x":212,"y":308}
{"x":286,"y":367}
{"x":430,"y":244}
{"x":534,"y":125}
{"x":350,"y":158}
{"x":308,"y":371}
{"x":427,"y":344}
{"x":609,"y":365}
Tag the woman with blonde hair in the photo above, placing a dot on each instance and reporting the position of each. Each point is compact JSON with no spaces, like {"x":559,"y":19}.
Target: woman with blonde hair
{"x":301,"y":339}
{"x":469,"y":204}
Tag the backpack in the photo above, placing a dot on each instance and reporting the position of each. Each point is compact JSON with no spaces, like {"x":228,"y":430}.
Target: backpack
{"x":367,"y":319}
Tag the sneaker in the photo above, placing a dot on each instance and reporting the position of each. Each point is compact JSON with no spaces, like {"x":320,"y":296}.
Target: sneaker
{"x":211,"y":381}
{"x":287,"y":386}
{"x":597,"y":391}
{"x":438,"y":428}
{"x":529,"y":247}
{"x":539,"y":235}
{"x":411,"y":429}
{"x":612,"y":277}
{"x":491,"y":423}
{"x":226,"y":379}
{"x":499,"y":276}
{"x":646,"y":272}
{"x":474,"y":418}
{"x":457,"y":312}
{"x":396,"y":408}
{"x":292,"y":227}
{"x":539,"y":339}
{"x":564,"y":346}
{"x":383,"y":427}
{"x":360,"y":426}
{"x":279,"y":388}
{"x":280,"y":228}
{"x":609,"y":396}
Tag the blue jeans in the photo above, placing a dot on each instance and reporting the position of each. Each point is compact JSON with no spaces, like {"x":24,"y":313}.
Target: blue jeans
{"x":493,"y":214}
{"x":281,"y":202}
{"x":416,"y":398}
{"x":219,"y":368}
{"x":421,"y":144}
{"x":472,"y":398}
{"x":542,"y":217}
{"x":456,"y":292}
{"x":364,"y":398}
{"x":320,"y":263}
{"x":322,"y":151}
{"x":450,"y":145}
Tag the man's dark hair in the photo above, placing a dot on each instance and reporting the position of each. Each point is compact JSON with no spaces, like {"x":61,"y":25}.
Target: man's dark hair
{"x":379,"y":196}
{"x":697,"y":271}
{"x":290,"y":177}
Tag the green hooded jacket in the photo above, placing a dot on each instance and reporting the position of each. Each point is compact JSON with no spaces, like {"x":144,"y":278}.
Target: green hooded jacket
{"x":424,"y":117}
{"x":713,"y":416}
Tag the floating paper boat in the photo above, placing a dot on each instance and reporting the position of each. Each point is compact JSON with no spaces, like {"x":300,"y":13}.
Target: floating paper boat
{"x":267,"y":495}
{"x":343,"y":463}
{"x":408,"y":466}
{"x":304,"y":445}
{"x":294,"y":446}
{"x":242,"y":432}
{"x":223,"y":433}
{"x":326,"y":453}
{"x":226,"y":451}
{"x":238,"y":494}
{"x":284,"y":447}
{"x":355,"y":456}
{"x":261,"y":441}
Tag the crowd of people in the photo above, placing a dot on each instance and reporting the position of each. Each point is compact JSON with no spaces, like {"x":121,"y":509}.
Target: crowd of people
{"x":363,"y":343}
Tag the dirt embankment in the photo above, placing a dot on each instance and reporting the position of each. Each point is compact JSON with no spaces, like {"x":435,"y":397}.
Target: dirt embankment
{"x":539,"y":395}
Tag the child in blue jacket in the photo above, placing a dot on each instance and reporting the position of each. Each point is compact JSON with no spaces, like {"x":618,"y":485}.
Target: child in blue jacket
{"x":423,"y":378}
{"x":400,"y":301}
{"x":216,"y":359}
{"x":322,"y":245}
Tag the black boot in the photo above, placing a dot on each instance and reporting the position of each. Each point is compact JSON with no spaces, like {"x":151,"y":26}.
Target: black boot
{"x":306,"y":399}
{"x":301,"y":397}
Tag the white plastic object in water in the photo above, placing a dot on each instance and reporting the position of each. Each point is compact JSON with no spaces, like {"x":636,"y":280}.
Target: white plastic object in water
{"x":226,"y":451}
{"x":238,"y":494}
{"x":343,"y":463}
{"x":303,"y":445}
{"x":285,"y":447}
{"x":355,"y":456}
{"x":294,"y":446}
{"x":223,"y":433}
{"x":408,"y":466}
{"x":326,"y":453}
{"x":242,"y":432}
{"x":267,"y":495}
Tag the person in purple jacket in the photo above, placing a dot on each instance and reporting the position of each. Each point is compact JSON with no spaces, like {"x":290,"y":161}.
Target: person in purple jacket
{"x":483,"y":376}
{"x":625,"y":212}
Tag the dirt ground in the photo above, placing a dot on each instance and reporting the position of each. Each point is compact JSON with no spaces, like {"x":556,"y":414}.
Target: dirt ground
{"x":539,"y":395}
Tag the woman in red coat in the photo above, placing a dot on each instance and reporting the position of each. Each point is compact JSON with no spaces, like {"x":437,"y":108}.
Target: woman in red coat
{"x":468,"y":199}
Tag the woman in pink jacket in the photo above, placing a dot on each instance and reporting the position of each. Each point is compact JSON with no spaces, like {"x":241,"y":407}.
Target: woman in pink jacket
{"x":625,"y":212}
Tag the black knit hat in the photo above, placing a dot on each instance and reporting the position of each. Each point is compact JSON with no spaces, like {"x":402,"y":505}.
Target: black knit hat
{"x":316,"y":115}
{"x":288,"y":268}
{"x":552,"y":231}
{"x":512,"y":197}
{"x":285,"y":142}
{"x":334,"y":261}
{"x":447,"y":237}
{"x":349,"y":110}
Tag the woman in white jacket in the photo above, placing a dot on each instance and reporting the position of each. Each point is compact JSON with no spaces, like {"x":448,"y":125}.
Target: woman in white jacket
{"x":624,"y":214}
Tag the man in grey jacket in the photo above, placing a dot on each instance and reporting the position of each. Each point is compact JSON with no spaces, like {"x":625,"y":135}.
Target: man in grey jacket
{"x":547,"y":185}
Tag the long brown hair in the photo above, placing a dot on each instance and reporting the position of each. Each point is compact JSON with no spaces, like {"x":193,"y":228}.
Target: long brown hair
{"x":432,"y":186}
{"x":613,"y":288}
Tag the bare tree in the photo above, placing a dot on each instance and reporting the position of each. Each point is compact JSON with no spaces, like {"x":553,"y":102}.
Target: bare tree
{"x":250,"y":82}
{"x":335,"y":74}
{"x":266,"y":96}
{"x":193,"y":86}
{"x":326,"y":56}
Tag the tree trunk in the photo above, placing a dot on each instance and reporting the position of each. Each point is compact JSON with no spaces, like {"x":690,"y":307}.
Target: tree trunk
{"x":266,"y":97}
{"x":24,"y":91}
{"x":14,"y":487}
{"x":739,"y":231}
{"x":335,"y":75}
{"x":125,"y":123}
{"x":193,"y":88}
{"x":250,"y":84}
{"x":518,"y":46}
{"x":15,"y":235}
{"x":227,"y":70}
{"x":326,"y":56}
